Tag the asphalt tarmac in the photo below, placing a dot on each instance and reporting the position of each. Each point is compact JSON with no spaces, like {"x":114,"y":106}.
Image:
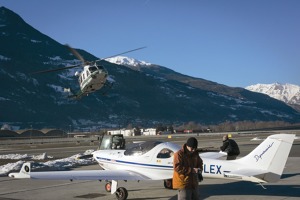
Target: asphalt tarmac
{"x":287,"y":188}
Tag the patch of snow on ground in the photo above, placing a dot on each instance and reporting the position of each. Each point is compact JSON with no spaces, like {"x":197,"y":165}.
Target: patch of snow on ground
{"x":25,"y":156}
{"x":256,"y":138}
{"x":60,"y":164}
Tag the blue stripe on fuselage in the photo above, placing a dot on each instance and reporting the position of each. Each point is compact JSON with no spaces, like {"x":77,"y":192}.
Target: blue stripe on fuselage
{"x":134,"y":163}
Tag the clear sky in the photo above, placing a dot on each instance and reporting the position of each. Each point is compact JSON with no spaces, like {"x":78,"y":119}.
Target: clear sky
{"x":231,"y":42}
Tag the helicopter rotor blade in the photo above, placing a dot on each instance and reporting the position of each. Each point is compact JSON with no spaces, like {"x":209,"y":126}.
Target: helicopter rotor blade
{"x":75,"y":53}
{"x":122,"y":53}
{"x":54,"y":70}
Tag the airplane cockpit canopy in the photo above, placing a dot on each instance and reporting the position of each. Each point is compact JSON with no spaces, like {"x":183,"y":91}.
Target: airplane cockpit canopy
{"x":141,"y":148}
{"x":165,"y":153}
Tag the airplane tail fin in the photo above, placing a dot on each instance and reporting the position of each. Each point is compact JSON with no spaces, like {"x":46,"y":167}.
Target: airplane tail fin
{"x":270,"y":157}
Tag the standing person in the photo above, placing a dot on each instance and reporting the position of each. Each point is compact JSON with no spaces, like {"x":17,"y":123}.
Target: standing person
{"x":231,"y":147}
{"x":187,"y":165}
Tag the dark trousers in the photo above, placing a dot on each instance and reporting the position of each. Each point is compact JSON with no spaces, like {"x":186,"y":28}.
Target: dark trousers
{"x":231,"y":157}
{"x":188,"y":194}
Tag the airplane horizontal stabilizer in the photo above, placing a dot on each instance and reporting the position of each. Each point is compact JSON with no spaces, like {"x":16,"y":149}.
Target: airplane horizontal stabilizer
{"x":246,"y":174}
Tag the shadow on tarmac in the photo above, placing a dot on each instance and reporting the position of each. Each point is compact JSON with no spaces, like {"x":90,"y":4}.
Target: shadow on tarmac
{"x":285,"y":176}
{"x":247,"y":189}
{"x":237,"y":190}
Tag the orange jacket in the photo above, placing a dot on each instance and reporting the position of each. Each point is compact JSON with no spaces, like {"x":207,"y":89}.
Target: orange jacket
{"x":183,"y":164}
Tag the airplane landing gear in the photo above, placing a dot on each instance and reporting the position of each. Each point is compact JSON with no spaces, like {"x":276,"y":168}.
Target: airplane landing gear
{"x":121,"y":193}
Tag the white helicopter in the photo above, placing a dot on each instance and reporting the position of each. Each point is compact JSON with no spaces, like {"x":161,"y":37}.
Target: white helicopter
{"x":92,"y":78}
{"x":153,"y":160}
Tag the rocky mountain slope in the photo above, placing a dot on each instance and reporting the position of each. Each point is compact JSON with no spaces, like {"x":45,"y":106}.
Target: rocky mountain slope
{"x":144,"y":97}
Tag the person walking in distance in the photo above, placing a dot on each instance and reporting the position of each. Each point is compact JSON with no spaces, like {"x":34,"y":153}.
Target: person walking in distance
{"x":188,"y":167}
{"x":230,"y":147}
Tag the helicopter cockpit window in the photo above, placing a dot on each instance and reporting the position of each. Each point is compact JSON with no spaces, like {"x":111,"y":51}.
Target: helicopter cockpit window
{"x":141,"y":148}
{"x":165,"y":153}
{"x":92,"y":68}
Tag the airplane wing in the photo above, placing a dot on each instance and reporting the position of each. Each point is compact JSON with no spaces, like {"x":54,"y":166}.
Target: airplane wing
{"x":213,"y":155}
{"x":25,"y":172}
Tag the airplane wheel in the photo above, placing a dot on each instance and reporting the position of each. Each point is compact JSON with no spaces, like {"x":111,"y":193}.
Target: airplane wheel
{"x":168,"y":184}
{"x":108,"y":187}
{"x":121,"y":193}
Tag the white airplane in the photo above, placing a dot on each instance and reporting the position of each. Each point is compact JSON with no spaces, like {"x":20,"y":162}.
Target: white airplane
{"x":154,"y":161}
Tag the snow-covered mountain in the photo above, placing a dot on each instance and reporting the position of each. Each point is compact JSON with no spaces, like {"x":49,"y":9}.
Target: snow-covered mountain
{"x":129,"y":62}
{"x":287,"y":93}
{"x":146,"y":96}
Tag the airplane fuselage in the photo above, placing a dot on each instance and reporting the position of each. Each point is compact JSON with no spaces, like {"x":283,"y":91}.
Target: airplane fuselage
{"x":157,"y":168}
{"x":150,"y":165}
